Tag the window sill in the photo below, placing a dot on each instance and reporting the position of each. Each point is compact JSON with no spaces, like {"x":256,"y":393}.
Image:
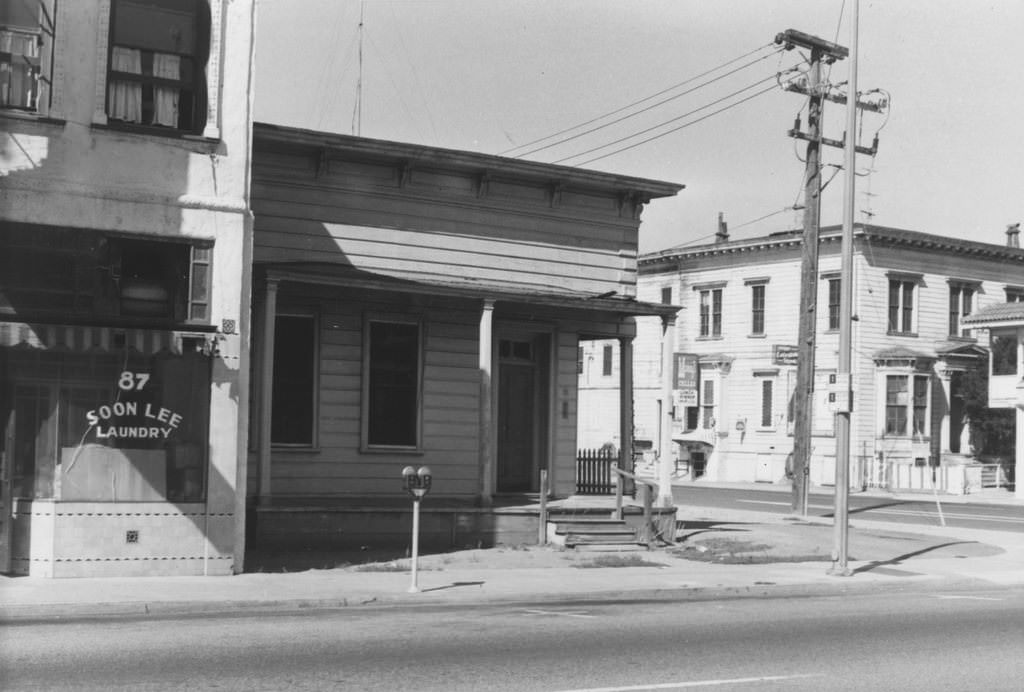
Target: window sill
{"x":187,"y":140}
{"x":709,"y":338}
{"x":407,"y":451}
{"x":907,"y":334}
{"x":277,"y":448}
{"x":757,"y":336}
{"x":28,"y":116}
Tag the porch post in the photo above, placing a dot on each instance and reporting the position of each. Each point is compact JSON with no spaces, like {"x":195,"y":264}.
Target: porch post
{"x":945,"y":380}
{"x":665,"y":462}
{"x":625,"y":404}
{"x":486,"y":393}
{"x":267,"y":386}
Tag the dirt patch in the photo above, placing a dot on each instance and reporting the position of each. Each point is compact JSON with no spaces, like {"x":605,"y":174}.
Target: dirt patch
{"x":734,"y":551}
{"x":617,"y":560}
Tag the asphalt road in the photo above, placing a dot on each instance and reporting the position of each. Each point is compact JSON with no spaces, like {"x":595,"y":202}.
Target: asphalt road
{"x":985,"y":516}
{"x":901,"y":641}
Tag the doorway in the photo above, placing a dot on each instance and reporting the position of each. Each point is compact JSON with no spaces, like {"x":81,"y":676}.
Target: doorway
{"x":523,"y":376}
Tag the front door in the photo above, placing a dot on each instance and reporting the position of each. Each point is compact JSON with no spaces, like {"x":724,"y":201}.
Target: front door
{"x":522,"y":413}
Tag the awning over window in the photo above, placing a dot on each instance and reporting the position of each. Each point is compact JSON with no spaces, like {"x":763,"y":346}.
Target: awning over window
{"x":84,"y":338}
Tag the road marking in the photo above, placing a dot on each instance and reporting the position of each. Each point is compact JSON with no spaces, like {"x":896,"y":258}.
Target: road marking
{"x":563,"y":613}
{"x":968,"y":598}
{"x":903,"y":512}
{"x":693,"y":683}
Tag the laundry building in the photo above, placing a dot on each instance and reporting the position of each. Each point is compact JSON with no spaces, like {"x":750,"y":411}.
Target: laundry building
{"x":125,"y":240}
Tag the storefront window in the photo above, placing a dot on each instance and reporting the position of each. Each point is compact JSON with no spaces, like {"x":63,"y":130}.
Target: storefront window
{"x":106,"y":427}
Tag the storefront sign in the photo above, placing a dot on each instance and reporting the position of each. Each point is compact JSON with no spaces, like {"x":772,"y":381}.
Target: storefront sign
{"x":684,"y":379}
{"x":130,"y":419}
{"x":785,"y":355}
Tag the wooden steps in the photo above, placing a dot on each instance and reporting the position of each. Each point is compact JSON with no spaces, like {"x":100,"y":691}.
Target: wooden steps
{"x":593,"y":534}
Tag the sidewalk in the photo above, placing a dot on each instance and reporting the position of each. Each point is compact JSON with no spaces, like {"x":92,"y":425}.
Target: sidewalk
{"x":720,"y":554}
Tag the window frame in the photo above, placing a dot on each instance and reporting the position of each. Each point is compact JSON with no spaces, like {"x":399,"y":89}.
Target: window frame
{"x":43,"y":61}
{"x":367,"y":364}
{"x":707,"y":404}
{"x":907,"y":408}
{"x":314,"y":393}
{"x":758,"y":303}
{"x":766,"y":399}
{"x":211,"y":10}
{"x":961,"y":303}
{"x":709,"y":299}
{"x":834,"y":299}
{"x":607,"y":360}
{"x":902,"y":304}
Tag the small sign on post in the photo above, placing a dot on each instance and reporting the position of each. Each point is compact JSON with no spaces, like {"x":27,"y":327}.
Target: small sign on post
{"x":416,"y":482}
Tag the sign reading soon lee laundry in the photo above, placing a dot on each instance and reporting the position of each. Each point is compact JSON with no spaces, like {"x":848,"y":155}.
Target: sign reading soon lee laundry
{"x":131,"y":418}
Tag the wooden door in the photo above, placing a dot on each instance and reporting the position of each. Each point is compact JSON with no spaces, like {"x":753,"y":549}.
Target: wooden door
{"x":517,"y":433}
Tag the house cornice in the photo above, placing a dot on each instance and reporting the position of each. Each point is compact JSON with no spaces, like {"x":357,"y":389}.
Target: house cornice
{"x":486,"y":166}
{"x":876,"y":235}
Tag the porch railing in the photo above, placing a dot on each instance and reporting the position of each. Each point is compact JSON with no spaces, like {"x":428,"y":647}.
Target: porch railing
{"x":594,"y":471}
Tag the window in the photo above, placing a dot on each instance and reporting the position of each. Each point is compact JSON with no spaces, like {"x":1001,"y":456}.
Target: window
{"x":767,"y":399}
{"x":579,"y":360}
{"x":156,"y":65}
{"x":392,"y":386}
{"x":1014,"y":294}
{"x":834,"y":287}
{"x":906,"y":400}
{"x":711,"y":312}
{"x":666,"y":295}
{"x":1004,"y":354}
{"x":606,"y":360}
{"x":757,"y":309}
{"x":58,"y":273}
{"x":293,"y":409}
{"x":107,"y":426}
{"x":961,"y":297}
{"x":901,"y":306}
{"x":707,"y":405}
{"x":26,"y":54}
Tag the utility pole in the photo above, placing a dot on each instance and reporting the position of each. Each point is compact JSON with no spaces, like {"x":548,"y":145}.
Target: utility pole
{"x":844,"y":390}
{"x":803,"y":396}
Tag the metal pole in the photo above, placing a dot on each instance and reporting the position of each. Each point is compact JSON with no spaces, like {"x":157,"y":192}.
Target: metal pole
{"x":415,"y":542}
{"x":843,"y":379}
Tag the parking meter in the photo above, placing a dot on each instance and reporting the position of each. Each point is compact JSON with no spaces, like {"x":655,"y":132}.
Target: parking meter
{"x":417,"y":483}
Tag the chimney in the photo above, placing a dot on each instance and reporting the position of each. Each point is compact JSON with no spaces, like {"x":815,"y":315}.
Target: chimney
{"x":722,"y":236}
{"x":1013,"y":235}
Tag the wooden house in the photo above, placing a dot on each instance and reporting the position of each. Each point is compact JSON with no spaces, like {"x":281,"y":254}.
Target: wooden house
{"x":417,"y":306}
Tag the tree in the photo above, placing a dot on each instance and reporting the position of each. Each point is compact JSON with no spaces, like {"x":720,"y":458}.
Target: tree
{"x":992,"y":430}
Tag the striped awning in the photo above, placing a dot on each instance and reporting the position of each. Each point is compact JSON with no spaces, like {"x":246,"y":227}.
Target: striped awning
{"x":85,"y":338}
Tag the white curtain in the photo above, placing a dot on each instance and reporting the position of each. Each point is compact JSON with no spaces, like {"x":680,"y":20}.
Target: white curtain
{"x":165,"y":98}
{"x":125,"y":97}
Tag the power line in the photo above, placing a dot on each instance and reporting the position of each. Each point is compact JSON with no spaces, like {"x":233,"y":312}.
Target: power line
{"x":675,"y":129}
{"x":645,"y":99}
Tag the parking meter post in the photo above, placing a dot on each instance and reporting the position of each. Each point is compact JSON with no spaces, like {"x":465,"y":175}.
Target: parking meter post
{"x":414,"y":587}
{"x":416,"y":482}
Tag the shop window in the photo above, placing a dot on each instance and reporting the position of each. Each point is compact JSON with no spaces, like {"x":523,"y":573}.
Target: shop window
{"x":293,"y":409}
{"x":156,"y":64}
{"x":49,"y":272}
{"x":391,"y":393}
{"x":106,"y":427}
{"x":26,"y":54}
{"x":1004,"y":354}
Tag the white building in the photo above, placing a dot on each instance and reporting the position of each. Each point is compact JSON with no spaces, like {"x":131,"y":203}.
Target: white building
{"x":738,"y":323}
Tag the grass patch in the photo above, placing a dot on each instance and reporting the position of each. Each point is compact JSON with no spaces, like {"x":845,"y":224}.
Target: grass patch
{"x":396,"y":566}
{"x":617,"y":561}
{"x":731,"y":551}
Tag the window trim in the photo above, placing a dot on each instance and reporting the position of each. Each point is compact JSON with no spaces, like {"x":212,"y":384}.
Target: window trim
{"x":364,"y":404}
{"x":713,"y":327}
{"x":758,"y":311}
{"x":211,"y":130}
{"x":959,"y":288}
{"x":900,"y":328}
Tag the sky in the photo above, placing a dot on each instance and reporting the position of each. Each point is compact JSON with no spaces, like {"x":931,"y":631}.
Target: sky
{"x":493,"y":76}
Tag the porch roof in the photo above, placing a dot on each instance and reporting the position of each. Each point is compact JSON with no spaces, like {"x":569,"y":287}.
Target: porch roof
{"x":325,"y":274}
{"x":1001,"y":314}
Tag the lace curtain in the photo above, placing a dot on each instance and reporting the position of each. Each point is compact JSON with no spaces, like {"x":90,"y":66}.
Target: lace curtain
{"x":165,"y":106}
{"x":125,"y":97}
